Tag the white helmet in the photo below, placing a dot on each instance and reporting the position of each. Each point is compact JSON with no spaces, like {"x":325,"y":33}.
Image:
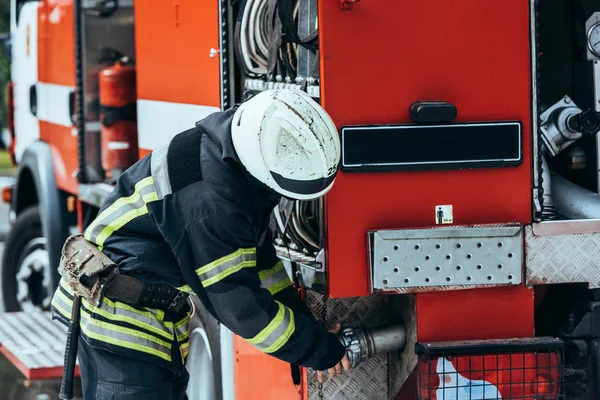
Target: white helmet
{"x":287,"y":141}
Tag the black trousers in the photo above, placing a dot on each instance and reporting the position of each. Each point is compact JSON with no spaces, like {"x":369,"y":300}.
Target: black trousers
{"x":109,"y":376}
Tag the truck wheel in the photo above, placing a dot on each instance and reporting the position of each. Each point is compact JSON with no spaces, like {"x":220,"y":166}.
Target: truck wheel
{"x":204,"y":358}
{"x":26,"y":272}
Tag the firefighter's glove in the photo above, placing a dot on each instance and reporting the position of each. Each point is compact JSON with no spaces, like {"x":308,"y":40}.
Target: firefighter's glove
{"x":343,"y":363}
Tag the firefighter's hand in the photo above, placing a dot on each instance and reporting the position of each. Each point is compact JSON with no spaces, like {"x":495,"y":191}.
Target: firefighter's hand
{"x":336,"y":369}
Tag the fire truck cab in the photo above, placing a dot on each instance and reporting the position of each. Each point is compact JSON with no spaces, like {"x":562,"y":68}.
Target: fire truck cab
{"x":460,"y":245}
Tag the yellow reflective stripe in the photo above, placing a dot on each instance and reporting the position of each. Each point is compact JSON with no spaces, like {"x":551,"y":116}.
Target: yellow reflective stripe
{"x":223,"y":260}
{"x":274,"y":279}
{"x":219,"y":269}
{"x":117,"y":204}
{"x":127,"y":331}
{"x":64,"y":284}
{"x":90,"y":322}
{"x":185,"y":288}
{"x":129,"y":319}
{"x":123,"y":318}
{"x":124,"y":200}
{"x":277,"y":333}
{"x":123,"y":343}
{"x":125,"y":218}
{"x":275,"y":322}
{"x":122,"y":306}
{"x":159,"y":316}
{"x":184,"y":349}
{"x":183,"y":336}
{"x":59,"y":308}
{"x":265,"y":273}
{"x":182,"y":329}
{"x":181,"y":322}
{"x":122,"y":329}
{"x":279,"y":286}
{"x":224,"y":274}
{"x":283,"y":339}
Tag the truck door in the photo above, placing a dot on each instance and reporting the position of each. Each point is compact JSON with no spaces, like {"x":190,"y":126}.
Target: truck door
{"x":24,"y":71}
{"x":178,"y":56}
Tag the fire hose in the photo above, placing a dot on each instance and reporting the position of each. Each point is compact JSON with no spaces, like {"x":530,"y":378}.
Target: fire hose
{"x":362,"y":344}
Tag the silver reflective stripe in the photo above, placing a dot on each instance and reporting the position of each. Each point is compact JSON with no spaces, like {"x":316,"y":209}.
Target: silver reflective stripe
{"x":62,"y":305}
{"x":124,"y":337}
{"x":113,"y":334}
{"x":225,"y":266}
{"x":120,"y":312}
{"x":160,"y":171}
{"x":182,"y":329}
{"x":274,"y":279}
{"x":277,"y":333}
{"x":122,"y":211}
{"x":184,"y":349}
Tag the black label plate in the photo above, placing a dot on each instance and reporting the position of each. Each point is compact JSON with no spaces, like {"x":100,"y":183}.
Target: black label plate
{"x":431,"y":147}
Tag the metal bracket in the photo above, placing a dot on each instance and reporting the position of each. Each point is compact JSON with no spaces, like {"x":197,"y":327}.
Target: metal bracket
{"x":562,"y":252}
{"x":260,"y":85}
{"x":451,"y":256}
{"x":309,"y":271}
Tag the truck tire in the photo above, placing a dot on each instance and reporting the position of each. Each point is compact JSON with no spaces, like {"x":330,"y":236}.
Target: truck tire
{"x":204,"y":359}
{"x":25,"y":277}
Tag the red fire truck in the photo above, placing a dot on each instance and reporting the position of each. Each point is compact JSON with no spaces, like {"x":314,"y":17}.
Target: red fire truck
{"x":460,"y":245}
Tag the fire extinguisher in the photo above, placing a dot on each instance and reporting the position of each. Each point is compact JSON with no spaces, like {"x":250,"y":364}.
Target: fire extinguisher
{"x":118,"y":117}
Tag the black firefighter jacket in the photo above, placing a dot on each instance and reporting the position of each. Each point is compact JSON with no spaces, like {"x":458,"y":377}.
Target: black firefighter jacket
{"x":189,"y":215}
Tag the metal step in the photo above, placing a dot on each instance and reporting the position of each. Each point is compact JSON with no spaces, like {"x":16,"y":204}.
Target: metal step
{"x":34,"y":344}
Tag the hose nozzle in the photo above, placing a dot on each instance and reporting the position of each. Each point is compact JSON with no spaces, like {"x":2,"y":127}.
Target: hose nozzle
{"x":362,"y":344}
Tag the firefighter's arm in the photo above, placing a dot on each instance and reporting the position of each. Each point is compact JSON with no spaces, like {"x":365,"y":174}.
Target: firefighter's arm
{"x":275,"y":279}
{"x":224,"y":256}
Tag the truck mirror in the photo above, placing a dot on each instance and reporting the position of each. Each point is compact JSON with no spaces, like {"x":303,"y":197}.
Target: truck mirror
{"x":6,"y":45}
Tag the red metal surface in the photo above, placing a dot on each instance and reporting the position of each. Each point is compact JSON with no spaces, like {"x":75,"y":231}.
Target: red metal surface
{"x":144,"y":152}
{"x":56,"y":65}
{"x":524,"y":375}
{"x":63,"y":145}
{"x":56,"y":43}
{"x":36,"y":373}
{"x":118,"y":90}
{"x":408,"y":391}
{"x":475,"y":314}
{"x":173,"y":43}
{"x":80,"y":219}
{"x":257,"y":375}
{"x":377,"y":59}
{"x":347,"y":4}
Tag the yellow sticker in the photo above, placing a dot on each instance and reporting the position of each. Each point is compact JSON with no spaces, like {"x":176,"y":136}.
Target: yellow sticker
{"x":443,"y":214}
{"x":27,"y":39}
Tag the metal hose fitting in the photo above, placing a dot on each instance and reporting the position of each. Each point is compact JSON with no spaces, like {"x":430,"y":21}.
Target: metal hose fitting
{"x":362,"y":344}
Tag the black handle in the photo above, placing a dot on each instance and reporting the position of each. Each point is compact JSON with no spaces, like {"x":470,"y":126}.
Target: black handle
{"x":66,"y":384}
{"x":104,"y":8}
{"x":432,"y":111}
{"x":72,"y":107}
{"x":33,"y":99}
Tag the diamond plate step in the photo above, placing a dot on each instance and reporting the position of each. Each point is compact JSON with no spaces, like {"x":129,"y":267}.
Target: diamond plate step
{"x":34,"y":344}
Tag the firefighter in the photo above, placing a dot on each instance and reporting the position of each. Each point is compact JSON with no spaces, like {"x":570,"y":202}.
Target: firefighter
{"x":191,"y":218}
